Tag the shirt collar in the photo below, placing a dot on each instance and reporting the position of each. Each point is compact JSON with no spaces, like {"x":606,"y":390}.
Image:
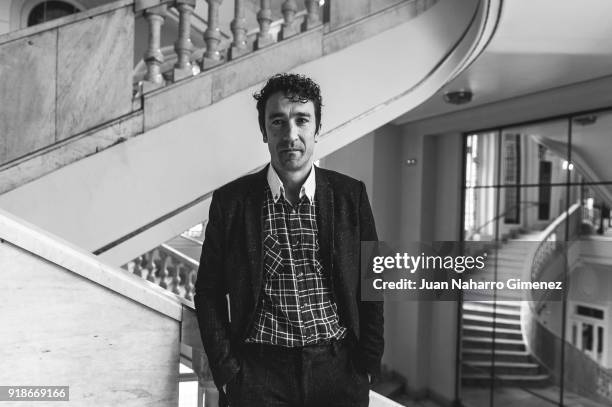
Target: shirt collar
{"x":277,"y":187}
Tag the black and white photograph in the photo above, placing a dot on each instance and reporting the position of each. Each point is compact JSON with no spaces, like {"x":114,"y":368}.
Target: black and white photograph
{"x":306,"y":203}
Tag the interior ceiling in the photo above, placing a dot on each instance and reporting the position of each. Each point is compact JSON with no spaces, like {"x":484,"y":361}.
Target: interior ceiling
{"x":590,"y":142}
{"x":538,"y":45}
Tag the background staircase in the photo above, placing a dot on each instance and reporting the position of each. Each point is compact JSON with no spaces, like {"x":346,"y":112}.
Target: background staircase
{"x":492,"y":340}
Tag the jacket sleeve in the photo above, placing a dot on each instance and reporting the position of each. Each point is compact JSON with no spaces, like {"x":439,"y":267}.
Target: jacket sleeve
{"x":371,"y":318}
{"x":210,"y":299}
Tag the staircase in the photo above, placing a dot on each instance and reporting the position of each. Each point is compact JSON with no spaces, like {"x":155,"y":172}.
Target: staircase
{"x":118,"y":169}
{"x":492,"y":341}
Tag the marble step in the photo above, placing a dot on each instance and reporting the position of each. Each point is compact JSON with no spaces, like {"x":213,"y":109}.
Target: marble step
{"x":488,"y":309}
{"x":488,"y":332}
{"x":481,"y":379}
{"x":487,"y":343}
{"x":499,"y":321}
{"x":477,"y":354}
{"x":502,"y":368}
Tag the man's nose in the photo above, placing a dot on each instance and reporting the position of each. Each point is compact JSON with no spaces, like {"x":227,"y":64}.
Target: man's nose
{"x":291,"y":132}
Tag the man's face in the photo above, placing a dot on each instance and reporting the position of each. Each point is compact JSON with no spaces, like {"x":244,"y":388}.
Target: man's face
{"x":291,"y":132}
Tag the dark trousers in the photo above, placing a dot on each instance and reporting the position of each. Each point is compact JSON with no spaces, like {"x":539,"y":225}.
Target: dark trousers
{"x":312,"y":376}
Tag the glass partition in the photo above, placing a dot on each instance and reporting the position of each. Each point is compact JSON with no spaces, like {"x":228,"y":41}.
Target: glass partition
{"x":540,"y":195}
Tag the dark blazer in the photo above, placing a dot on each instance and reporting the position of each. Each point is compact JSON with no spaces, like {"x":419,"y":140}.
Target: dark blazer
{"x":231,"y":263}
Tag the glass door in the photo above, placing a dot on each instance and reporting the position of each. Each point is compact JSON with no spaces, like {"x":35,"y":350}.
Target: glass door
{"x":588,"y":331}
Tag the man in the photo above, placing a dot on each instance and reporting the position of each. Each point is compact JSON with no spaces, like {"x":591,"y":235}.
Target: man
{"x":282,"y":247}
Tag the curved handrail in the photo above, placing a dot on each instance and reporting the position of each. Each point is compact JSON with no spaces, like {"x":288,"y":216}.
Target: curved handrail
{"x":586,"y":377}
{"x":547,"y":247}
{"x":513,"y":207}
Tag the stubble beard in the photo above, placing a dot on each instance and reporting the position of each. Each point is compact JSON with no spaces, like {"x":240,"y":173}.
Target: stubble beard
{"x":293,"y":164}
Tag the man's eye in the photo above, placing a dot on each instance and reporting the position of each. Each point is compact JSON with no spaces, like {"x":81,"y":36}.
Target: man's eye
{"x":302,"y":120}
{"x":277,"y":122}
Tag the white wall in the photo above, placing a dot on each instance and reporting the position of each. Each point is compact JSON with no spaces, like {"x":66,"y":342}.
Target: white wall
{"x":412,"y":203}
{"x":386,"y":196}
{"x":355,"y":159}
{"x":445,"y":222}
{"x":5,"y":12}
{"x":431,"y":204}
{"x":378,"y":156}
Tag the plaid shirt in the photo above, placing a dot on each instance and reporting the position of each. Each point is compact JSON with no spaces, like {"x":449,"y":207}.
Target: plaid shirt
{"x":296,"y":306}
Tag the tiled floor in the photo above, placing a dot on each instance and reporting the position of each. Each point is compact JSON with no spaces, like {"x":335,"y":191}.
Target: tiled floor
{"x":512,"y":396}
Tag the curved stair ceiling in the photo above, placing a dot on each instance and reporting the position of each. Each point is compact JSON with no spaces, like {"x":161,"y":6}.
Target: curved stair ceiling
{"x":539,"y":46}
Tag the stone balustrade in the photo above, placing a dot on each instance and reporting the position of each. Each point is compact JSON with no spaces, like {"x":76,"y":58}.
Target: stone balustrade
{"x":168,"y":268}
{"x":216,"y":51}
{"x":552,"y":245}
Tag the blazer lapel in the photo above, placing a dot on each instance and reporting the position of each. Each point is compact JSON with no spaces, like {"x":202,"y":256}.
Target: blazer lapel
{"x":324,"y":196}
{"x":253,"y":231}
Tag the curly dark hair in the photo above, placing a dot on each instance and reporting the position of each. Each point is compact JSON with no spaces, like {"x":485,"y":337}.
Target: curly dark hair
{"x":298,"y":88}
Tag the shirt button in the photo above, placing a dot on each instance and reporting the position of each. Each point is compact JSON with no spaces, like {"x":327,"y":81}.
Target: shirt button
{"x":296,"y":243}
{"x":299,"y":275}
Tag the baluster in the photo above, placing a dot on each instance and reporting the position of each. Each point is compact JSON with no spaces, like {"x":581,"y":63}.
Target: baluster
{"x":212,"y":36}
{"x":183,"y":45}
{"x":182,"y":277}
{"x":138,"y":266}
{"x":238,"y":26}
{"x":153,"y":56}
{"x":163,"y":269}
{"x":149,"y":265}
{"x":264,"y":17}
{"x":312,"y":18}
{"x":189,"y":284}
{"x":291,"y":26}
{"x":176,"y":278}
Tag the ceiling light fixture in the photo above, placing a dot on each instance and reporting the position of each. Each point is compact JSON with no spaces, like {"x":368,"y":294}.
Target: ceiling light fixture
{"x":458,"y":97}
